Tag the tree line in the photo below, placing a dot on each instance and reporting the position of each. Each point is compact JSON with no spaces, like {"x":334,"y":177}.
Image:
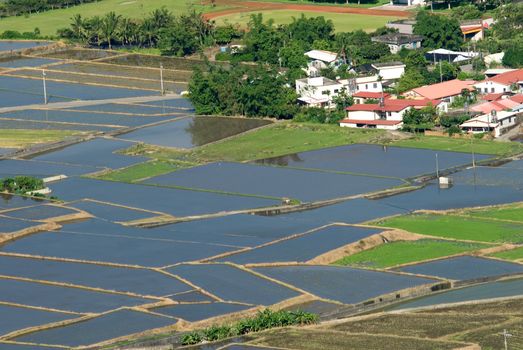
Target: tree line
{"x":19,"y":7}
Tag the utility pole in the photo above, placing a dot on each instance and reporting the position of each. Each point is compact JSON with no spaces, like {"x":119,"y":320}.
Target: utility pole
{"x":472,"y":150}
{"x":162,"y":90}
{"x":506,"y":335}
{"x":440,"y":73}
{"x":45,"y":86}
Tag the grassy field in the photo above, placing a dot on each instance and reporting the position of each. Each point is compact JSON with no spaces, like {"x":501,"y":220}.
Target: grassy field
{"x":352,"y":3}
{"x":514,"y":254}
{"x":343,"y":22}
{"x":420,"y":325}
{"x":50,"y":21}
{"x":313,"y":339}
{"x":461,"y":145}
{"x":458,"y":227}
{"x":397,"y":253}
{"x":18,"y":138}
{"x":513,"y":212}
{"x":142,"y":171}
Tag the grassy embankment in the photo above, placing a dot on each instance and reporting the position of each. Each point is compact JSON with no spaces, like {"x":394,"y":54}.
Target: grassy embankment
{"x":403,"y":252}
{"x":49,"y":21}
{"x":19,"y":138}
{"x":462,"y":145}
{"x":343,"y":22}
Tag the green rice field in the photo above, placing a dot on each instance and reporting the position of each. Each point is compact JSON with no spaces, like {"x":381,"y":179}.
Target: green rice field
{"x":403,"y":252}
{"x":458,"y":227}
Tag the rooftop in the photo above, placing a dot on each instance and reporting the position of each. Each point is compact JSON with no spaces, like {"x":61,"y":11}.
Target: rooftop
{"x":397,"y":38}
{"x":388,"y":64}
{"x":322,"y":55}
{"x":507,"y":78}
{"x":445,"y":89}
{"x":369,"y":94}
{"x":371,"y":122}
{"x":393,"y":105}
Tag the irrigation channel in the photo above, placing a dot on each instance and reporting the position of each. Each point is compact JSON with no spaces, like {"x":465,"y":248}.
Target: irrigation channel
{"x":203,"y":243}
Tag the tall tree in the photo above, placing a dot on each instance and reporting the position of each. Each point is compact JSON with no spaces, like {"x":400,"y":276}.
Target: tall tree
{"x":109,"y":26}
{"x":438,"y":31}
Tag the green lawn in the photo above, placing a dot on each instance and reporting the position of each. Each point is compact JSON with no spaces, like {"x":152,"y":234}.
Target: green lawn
{"x":18,"y":138}
{"x":343,"y":22}
{"x":50,"y":21}
{"x":514,"y":254}
{"x":458,"y":227}
{"x":402,"y":252}
{"x":511,"y":212}
{"x":352,"y":3}
{"x":461,"y":145}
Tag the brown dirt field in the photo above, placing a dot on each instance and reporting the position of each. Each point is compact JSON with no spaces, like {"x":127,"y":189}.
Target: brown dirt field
{"x":252,"y":6}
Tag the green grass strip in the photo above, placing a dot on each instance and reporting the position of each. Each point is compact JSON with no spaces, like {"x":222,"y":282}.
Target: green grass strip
{"x":403,"y":252}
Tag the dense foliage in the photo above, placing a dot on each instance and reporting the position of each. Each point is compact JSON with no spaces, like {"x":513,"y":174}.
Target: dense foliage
{"x":438,"y":31}
{"x":263,"y":320}
{"x":18,"y":7}
{"x":177,"y":36}
{"x":21,"y":184}
{"x":241,"y":90}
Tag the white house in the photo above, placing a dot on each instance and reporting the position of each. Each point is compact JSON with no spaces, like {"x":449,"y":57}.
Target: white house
{"x":505,"y":82}
{"x":495,"y":122}
{"x":320,"y":59}
{"x":318,"y":91}
{"x":370,"y":83}
{"x":390,"y":70}
{"x":398,"y":41}
{"x":387,"y":114}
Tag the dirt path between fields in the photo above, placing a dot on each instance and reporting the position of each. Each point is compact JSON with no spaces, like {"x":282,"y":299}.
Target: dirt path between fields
{"x":253,"y":6}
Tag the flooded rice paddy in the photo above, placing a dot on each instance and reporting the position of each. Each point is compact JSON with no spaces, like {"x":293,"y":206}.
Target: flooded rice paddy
{"x":111,"y":275}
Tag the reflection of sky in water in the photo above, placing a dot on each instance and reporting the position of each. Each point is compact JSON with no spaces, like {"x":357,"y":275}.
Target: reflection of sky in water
{"x":484,"y":291}
{"x":193,"y":132}
{"x":375,"y":160}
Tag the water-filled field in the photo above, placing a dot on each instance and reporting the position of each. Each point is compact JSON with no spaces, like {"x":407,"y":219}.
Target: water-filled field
{"x":375,"y":160}
{"x":194,"y":132}
{"x":11,"y":45}
{"x":271,"y":181}
{"x":465,"y":268}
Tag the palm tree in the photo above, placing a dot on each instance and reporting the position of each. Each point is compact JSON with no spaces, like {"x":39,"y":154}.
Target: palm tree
{"x":78,"y":26}
{"x":109,"y":25}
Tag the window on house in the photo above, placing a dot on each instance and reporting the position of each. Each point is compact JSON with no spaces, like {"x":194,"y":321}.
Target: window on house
{"x":366,"y":86}
{"x":504,"y":89}
{"x":375,"y":85}
{"x":486,"y":90}
{"x":325,"y":92}
{"x":492,"y":90}
{"x":336,"y":91}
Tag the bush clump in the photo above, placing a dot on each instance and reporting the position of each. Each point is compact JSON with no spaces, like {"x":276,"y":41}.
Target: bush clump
{"x":263,"y":320}
{"x":21,"y":184}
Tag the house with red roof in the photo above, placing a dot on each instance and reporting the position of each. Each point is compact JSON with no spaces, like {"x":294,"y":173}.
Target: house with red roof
{"x":501,"y":104}
{"x":505,"y":82}
{"x":388,"y":114}
{"x":445,"y":91}
{"x":361,"y":97}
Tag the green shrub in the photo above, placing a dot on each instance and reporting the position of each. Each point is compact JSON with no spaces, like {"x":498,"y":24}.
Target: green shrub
{"x":214,"y":333}
{"x":265,"y":319}
{"x":21,"y":184}
{"x":192,"y":338}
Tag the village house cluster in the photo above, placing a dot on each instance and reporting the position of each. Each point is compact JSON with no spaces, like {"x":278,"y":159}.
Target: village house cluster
{"x":498,"y":99}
